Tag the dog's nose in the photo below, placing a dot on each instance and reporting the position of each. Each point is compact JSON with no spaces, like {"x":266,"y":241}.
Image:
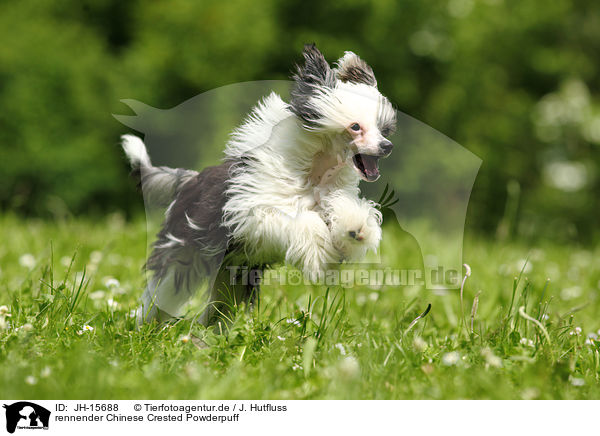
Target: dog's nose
{"x":386,"y":147}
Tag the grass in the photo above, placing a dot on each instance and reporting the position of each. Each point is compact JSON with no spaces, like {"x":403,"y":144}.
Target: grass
{"x":527,"y":337}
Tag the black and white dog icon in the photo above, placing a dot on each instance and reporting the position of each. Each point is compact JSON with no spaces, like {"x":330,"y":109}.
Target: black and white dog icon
{"x":26,"y":415}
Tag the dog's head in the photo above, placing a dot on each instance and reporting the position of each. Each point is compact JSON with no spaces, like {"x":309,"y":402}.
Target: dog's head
{"x":345,"y":104}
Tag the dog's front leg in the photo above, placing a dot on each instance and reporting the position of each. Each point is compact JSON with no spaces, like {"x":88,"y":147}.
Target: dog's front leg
{"x":310,"y":247}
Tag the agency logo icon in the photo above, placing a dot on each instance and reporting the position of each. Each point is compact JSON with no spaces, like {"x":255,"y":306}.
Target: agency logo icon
{"x":26,"y":415}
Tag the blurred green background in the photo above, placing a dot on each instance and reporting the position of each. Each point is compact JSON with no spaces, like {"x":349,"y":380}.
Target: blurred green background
{"x":515,"y":82}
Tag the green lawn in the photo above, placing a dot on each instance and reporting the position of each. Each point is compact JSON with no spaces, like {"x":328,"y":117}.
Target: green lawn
{"x":302,"y":342}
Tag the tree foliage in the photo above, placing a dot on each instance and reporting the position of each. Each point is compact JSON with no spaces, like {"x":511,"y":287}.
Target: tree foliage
{"x":514,"y":82}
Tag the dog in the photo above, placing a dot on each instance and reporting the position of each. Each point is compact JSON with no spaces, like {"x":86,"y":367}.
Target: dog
{"x":287,"y":191}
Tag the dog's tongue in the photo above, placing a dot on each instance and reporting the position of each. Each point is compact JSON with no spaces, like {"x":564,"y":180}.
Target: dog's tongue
{"x":368,"y":166}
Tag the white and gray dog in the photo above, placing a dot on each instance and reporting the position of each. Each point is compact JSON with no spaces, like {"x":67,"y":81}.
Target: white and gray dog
{"x":286,"y":191}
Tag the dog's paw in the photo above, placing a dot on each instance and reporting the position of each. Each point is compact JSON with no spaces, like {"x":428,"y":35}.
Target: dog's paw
{"x":354,"y":224}
{"x":314,"y":272}
{"x":310,"y":247}
{"x":372,"y":232}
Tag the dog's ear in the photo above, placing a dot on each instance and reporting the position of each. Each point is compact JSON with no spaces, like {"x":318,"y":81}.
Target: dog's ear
{"x":316,"y":71}
{"x":310,"y":79}
{"x":351,"y":68}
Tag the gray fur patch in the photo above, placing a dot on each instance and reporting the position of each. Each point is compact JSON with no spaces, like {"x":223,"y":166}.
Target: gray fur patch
{"x":316,"y":74}
{"x":199,"y":201}
{"x":387,"y":126}
{"x":353,"y":69}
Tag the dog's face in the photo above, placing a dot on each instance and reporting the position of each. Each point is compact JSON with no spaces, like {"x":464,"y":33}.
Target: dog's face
{"x":344,"y":104}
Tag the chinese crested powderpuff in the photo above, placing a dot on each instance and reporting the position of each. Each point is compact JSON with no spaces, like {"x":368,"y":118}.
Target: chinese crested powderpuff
{"x":287,"y":191}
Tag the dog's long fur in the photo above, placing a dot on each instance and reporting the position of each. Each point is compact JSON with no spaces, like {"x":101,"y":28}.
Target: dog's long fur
{"x":287,"y":190}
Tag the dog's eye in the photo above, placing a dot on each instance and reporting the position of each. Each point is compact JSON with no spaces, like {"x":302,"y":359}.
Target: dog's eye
{"x":385,"y":132}
{"x":355,"y":127}
{"x":352,"y":234}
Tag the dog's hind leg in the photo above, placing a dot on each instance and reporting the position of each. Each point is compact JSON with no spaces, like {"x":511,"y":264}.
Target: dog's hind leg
{"x":177,"y":274}
{"x":234,"y":284}
{"x":190,"y":245}
{"x":163,"y":299}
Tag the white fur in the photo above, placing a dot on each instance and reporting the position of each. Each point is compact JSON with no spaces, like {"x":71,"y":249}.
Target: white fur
{"x":347,"y":214}
{"x":136,"y":151}
{"x":272,"y":207}
{"x":159,"y":184}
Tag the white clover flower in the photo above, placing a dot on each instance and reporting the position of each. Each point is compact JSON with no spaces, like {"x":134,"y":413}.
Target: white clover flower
{"x":491,"y":359}
{"x":185,"y":339}
{"x":552,"y":270}
{"x":46,"y":371}
{"x":48,"y":297}
{"x":419,"y":344}
{"x":530,"y":394}
{"x":575,"y":381}
{"x":341,"y":349}
{"x":65,"y":261}
{"x":524,"y":265}
{"x":374,"y":296}
{"x":527,"y":342}
{"x":349,"y":367}
{"x":112,"y":304}
{"x":79,"y":276}
{"x":292,"y":321}
{"x":361,"y":299}
{"x":571,"y":293}
{"x":296,"y":367}
{"x":97,"y":295}
{"x":576,"y":331}
{"x":451,"y":358}
{"x":111,"y":282}
{"x":27,"y":327}
{"x":27,"y":260}
{"x":494,"y":361}
{"x":592,"y":335}
{"x":114,"y":259}
{"x":504,"y":269}
{"x":95,"y":256}
{"x":85,"y":328}
{"x":30,"y":380}
{"x":4,"y":310}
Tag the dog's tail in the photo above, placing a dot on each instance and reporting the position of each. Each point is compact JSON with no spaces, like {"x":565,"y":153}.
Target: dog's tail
{"x":159,"y":185}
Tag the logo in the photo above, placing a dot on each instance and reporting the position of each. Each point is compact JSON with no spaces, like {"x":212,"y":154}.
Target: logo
{"x":26,"y":415}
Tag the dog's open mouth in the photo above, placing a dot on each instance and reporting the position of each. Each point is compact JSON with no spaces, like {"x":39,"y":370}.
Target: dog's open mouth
{"x":367,"y":166}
